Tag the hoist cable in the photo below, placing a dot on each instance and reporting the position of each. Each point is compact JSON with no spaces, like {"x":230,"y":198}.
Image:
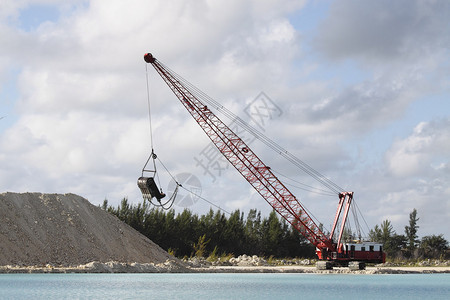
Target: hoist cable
{"x":362,"y":216}
{"x":189,"y":191}
{"x":149,"y":109}
{"x":270,"y":143}
{"x":165,"y":168}
{"x":305,"y":187}
{"x":171,"y":200}
{"x":356,"y":221}
{"x":152,"y":155}
{"x":169,"y":203}
{"x":204,"y":199}
{"x":259,"y":135}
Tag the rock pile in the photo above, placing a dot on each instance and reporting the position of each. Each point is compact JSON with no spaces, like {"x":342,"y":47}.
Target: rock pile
{"x":242,"y":260}
{"x":245,"y":260}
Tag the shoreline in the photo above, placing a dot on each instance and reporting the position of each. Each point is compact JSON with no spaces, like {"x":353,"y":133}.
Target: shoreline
{"x":171,"y":266}
{"x":313,"y":270}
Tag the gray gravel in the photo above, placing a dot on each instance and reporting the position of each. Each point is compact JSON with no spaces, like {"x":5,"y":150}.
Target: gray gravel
{"x":67,"y":230}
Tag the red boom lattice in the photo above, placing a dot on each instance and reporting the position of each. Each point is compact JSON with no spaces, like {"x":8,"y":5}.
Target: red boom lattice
{"x":244,"y":160}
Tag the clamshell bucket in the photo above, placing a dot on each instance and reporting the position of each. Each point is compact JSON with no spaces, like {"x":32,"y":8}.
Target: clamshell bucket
{"x":149,"y":189}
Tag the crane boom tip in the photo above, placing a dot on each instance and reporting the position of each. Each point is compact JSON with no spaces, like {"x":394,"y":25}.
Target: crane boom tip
{"x":148,"y":57}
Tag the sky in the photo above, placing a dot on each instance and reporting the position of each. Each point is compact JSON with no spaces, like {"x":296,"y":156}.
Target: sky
{"x":359,"y":90}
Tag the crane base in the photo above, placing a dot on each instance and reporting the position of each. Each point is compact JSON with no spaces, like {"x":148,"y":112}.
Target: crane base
{"x":329,"y":265}
{"x":356,"y":265}
{"x":324,"y":265}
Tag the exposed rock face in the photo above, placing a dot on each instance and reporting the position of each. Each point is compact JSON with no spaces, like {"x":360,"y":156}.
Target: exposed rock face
{"x":67,"y":230}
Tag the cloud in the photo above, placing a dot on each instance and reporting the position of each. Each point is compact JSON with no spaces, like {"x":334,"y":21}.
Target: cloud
{"x":424,"y":152}
{"x":384,"y":30}
{"x":82,"y":102}
{"x":414,"y":174}
{"x":401,"y":50}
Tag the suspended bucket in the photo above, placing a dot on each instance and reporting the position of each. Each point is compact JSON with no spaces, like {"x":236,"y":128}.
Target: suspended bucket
{"x":149,"y":189}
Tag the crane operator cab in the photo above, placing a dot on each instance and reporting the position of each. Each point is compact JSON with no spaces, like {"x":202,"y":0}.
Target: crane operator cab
{"x":149,"y":189}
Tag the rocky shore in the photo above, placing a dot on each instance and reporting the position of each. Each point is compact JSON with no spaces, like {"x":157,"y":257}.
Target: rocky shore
{"x":170,"y":267}
{"x":241,"y":264}
{"x":255,"y":264}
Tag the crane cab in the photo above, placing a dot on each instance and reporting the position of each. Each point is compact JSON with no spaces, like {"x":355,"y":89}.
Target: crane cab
{"x":369,"y":252}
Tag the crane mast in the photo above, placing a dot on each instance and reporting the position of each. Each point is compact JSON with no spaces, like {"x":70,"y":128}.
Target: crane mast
{"x":250,"y":166}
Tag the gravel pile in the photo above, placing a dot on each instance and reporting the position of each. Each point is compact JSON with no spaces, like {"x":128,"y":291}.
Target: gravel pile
{"x":66,"y":230}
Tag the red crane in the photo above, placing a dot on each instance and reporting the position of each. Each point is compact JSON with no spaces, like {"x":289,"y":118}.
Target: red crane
{"x":266,"y":183}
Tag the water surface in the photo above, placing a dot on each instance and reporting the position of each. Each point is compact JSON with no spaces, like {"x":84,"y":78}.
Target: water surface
{"x":224,"y":286}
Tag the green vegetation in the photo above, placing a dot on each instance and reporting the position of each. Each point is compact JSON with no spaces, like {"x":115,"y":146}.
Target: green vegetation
{"x":400,"y":247}
{"x":214,"y":234}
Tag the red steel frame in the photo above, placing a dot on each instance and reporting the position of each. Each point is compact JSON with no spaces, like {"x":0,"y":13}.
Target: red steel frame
{"x":345,"y":197}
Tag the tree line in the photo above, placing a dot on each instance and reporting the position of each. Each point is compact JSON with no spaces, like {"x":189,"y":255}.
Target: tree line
{"x":408,"y":245}
{"x":188,"y":234}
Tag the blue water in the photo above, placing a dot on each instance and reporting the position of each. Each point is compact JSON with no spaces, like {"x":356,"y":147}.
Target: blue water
{"x":224,"y":286}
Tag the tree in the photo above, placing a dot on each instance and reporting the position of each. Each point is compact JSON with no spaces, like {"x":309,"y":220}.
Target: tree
{"x":347,"y":235}
{"x":253,"y":232}
{"x":375,"y":234}
{"x":396,"y":244}
{"x":219,"y":222}
{"x":272,"y":234}
{"x":105,"y":204}
{"x":383,"y":233}
{"x":387,"y":231}
{"x":234,"y":233}
{"x":411,"y":231}
{"x":434,"y":246}
{"x":200,"y":246}
{"x":393,"y":243}
{"x":187,"y":231}
{"x":298,"y":245}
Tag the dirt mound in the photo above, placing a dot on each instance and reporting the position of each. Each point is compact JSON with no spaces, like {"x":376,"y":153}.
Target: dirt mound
{"x":67,"y":230}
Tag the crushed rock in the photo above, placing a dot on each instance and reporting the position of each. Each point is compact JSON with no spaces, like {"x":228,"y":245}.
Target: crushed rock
{"x":66,"y":230}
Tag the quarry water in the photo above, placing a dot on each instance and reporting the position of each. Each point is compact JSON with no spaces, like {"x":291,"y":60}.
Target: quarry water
{"x":224,"y":286}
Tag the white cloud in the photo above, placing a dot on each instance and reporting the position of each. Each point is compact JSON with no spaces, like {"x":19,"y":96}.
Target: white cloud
{"x":428,"y":145}
{"x":414,"y":174}
{"x":384,"y":30}
{"x":82,"y":98}
{"x":82,"y":113}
